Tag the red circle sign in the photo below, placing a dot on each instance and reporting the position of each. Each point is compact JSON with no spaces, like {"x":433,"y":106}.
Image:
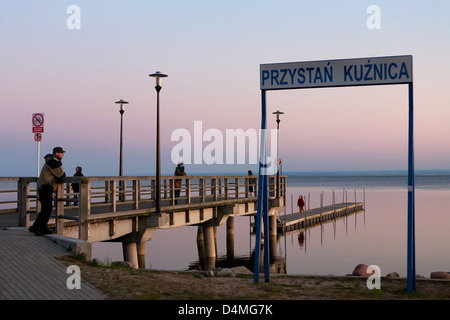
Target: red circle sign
{"x":38,"y":120}
{"x":37,"y":137}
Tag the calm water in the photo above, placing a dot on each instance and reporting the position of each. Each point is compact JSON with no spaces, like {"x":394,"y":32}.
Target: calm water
{"x":377,"y":235}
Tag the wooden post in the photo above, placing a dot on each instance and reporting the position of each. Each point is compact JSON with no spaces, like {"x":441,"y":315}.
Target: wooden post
{"x":85,"y":207}
{"x":24,"y":202}
{"x":227,"y":192}
{"x":112,"y":189}
{"x":139,"y":181}
{"x":59,"y":208}
{"x":122,"y":190}
{"x":153,"y":192}
{"x":107,"y":191}
{"x":188,"y":190}
{"x":172,"y":191}
{"x":135,"y":194}
{"x":201,"y":185}
{"x":214,"y":188}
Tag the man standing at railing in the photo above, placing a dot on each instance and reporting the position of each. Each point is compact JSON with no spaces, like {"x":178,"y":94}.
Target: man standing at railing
{"x":51,"y":172}
{"x":179,"y":171}
{"x":76,"y":186}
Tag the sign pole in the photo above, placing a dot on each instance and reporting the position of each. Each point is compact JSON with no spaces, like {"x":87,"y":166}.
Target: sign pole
{"x":265,"y":194}
{"x":38,"y":156}
{"x":411,"y":264}
{"x":37,"y":121}
{"x":262,"y":195}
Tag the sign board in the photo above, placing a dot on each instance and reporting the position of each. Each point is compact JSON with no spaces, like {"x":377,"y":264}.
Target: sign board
{"x":38,"y":122}
{"x":337,"y":73}
{"x":37,"y":137}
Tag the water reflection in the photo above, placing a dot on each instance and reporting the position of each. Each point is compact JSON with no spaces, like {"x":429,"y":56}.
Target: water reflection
{"x":301,"y":234}
{"x":277,"y":264}
{"x":278,"y":253}
{"x":374,"y":236}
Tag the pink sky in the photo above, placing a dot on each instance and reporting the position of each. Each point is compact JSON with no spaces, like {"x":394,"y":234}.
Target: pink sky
{"x":212,"y":55}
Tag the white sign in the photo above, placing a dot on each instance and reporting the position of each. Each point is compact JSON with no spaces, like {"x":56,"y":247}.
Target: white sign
{"x":38,"y":122}
{"x":336,"y":73}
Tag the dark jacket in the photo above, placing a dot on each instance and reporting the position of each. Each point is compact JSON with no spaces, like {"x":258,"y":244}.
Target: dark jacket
{"x":76,"y":186}
{"x":51,"y":172}
{"x":179,"y":171}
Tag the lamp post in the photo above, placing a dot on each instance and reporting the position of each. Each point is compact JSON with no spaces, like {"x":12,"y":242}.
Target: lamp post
{"x":158,"y":75}
{"x":278,"y":112}
{"x":121,"y":102}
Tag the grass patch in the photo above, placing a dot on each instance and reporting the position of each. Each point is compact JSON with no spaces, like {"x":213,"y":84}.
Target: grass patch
{"x":120,"y":283}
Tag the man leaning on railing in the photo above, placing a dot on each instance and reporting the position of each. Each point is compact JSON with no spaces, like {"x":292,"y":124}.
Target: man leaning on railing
{"x":51,"y":172}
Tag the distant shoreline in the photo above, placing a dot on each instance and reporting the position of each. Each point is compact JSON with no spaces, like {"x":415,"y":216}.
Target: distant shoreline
{"x":324,"y":173}
{"x":368,"y":173}
{"x":431,"y":172}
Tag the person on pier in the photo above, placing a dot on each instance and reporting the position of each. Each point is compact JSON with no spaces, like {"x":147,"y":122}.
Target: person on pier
{"x":301,"y":204}
{"x":179,"y":171}
{"x":47,"y":182}
{"x":251,"y":183}
{"x":76,"y":186}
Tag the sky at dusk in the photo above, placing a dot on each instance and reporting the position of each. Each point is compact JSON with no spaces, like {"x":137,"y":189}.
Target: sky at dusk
{"x":73,"y":65}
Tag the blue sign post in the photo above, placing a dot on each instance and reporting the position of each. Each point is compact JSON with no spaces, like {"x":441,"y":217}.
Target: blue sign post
{"x":334,"y":73}
{"x":263,"y":200}
{"x":411,"y":267}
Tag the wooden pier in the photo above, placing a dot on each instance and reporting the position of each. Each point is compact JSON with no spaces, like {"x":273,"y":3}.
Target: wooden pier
{"x":123,"y":209}
{"x":316,"y":216}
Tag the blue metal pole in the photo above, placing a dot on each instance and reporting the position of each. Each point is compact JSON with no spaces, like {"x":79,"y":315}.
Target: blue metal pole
{"x":261,"y":187}
{"x":411,"y":266}
{"x":266,"y":228}
{"x":258,"y":229}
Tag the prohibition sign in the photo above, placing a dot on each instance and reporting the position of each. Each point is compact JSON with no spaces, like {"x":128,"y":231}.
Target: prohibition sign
{"x":38,"y":122}
{"x":38,"y":119}
{"x":37,"y":137}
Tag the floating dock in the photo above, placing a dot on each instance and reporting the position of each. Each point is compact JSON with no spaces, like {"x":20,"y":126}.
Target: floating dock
{"x":310,"y":217}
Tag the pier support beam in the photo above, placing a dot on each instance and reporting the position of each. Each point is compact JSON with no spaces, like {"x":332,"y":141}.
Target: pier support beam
{"x":273,"y":246}
{"x":210,"y":245}
{"x":201,"y":247}
{"x":130,"y":253}
{"x":141,"y":254}
{"x":273,"y":224}
{"x":230,"y":237}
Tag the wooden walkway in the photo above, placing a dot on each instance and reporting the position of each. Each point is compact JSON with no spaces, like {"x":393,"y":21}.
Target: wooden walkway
{"x":29,"y":270}
{"x":126,"y":206}
{"x":315,"y":216}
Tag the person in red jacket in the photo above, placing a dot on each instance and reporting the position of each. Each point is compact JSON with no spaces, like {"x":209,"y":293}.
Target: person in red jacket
{"x":301,"y":204}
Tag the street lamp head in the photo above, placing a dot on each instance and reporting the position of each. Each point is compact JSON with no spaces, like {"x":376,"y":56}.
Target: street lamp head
{"x":121,"y":102}
{"x":278,"y":112}
{"x":158,"y":75}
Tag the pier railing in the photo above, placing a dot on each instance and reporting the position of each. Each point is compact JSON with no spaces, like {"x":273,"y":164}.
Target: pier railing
{"x":113,"y":194}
